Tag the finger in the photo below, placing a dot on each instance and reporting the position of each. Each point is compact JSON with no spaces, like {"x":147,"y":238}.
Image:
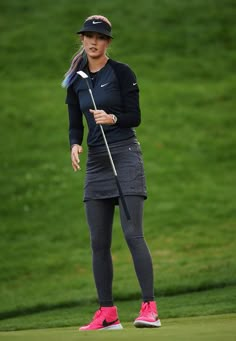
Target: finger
{"x":75,"y":154}
{"x":74,"y":159}
{"x":80,"y":149}
{"x":75,"y":166}
{"x":100,"y":119}
{"x":97,"y":112}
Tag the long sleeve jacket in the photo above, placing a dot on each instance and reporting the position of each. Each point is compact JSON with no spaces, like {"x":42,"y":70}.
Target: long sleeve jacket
{"x":115,"y":91}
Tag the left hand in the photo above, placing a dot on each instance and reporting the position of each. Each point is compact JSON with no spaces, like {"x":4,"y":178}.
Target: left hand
{"x":101,"y":117}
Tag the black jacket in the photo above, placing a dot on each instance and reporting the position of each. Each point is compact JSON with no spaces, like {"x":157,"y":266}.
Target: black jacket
{"x":115,"y":91}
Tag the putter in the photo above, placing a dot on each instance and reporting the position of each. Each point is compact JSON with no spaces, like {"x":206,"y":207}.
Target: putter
{"x":85,"y":76}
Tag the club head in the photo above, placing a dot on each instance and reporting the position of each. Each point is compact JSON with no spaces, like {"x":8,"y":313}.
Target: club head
{"x":82,"y":74}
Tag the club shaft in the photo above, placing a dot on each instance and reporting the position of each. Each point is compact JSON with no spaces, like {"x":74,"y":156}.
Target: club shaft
{"x":104,"y":136}
{"x":111,"y":160}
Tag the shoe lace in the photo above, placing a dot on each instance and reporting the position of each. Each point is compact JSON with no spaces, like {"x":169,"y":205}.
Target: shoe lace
{"x":145,"y":308}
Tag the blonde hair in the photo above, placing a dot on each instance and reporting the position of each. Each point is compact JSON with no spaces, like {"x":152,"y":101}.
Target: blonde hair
{"x":79,"y":55}
{"x":99,"y":17}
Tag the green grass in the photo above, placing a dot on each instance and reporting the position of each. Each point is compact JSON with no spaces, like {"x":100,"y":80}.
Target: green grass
{"x":183,"y":53}
{"x":203,"y":328}
{"x":209,"y":302}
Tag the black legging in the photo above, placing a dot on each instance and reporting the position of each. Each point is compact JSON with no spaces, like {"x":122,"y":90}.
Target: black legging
{"x":100,"y":215}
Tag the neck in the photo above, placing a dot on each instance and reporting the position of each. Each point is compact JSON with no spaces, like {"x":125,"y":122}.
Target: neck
{"x":97,"y":64}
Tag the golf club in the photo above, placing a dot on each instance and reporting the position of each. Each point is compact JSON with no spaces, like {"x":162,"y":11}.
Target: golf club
{"x":85,"y":76}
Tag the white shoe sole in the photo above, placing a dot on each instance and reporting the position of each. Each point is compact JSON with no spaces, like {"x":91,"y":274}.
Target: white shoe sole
{"x":145,"y":324}
{"x":113,"y":327}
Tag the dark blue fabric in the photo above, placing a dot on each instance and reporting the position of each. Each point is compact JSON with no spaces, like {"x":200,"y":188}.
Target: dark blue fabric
{"x":115,"y":91}
{"x":100,"y":181}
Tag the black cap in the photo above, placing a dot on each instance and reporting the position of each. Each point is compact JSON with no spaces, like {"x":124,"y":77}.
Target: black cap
{"x":96,"y":25}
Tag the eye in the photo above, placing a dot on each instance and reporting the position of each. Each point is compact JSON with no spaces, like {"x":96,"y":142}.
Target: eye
{"x":102,"y":37}
{"x":88,"y":34}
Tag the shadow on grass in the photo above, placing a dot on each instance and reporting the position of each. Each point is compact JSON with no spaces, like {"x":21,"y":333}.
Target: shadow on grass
{"x":82,"y":302}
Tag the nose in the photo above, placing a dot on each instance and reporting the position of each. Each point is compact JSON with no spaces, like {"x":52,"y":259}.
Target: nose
{"x":94,"y":39}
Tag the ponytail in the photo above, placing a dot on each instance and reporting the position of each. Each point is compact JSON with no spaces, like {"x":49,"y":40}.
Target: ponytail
{"x":71,"y":73}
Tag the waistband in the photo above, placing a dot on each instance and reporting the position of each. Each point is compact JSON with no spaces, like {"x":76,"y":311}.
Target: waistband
{"x":112,"y":146}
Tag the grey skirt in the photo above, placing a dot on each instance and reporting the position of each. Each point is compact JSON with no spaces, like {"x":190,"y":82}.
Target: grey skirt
{"x":100,"y":182}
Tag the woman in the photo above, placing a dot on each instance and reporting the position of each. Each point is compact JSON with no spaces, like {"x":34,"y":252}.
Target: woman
{"x":115,"y":90}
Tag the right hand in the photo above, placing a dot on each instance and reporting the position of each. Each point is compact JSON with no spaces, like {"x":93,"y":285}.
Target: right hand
{"x":75,"y":151}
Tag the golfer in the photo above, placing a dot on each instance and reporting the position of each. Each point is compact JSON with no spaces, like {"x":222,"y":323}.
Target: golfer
{"x":116,"y":94}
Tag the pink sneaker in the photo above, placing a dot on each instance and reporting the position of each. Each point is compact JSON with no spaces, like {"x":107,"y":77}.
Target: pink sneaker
{"x":104,"y":319}
{"x":148,"y":316}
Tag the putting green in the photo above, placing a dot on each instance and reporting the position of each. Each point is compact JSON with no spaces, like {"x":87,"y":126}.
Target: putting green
{"x":217,"y":328}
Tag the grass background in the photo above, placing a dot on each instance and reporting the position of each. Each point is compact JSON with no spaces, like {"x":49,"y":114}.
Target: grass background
{"x":203,"y":328}
{"x":183,"y":53}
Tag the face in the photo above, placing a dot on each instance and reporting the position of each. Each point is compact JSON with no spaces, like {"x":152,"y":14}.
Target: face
{"x":95,"y":44}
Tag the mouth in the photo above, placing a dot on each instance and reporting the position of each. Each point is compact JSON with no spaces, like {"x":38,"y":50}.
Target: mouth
{"x":93,"y":49}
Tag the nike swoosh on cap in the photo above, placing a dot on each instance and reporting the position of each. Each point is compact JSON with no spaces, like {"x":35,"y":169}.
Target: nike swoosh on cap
{"x":97,"y":22}
{"x":102,"y":85}
{"x":134,"y":84}
{"x":107,"y":324}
